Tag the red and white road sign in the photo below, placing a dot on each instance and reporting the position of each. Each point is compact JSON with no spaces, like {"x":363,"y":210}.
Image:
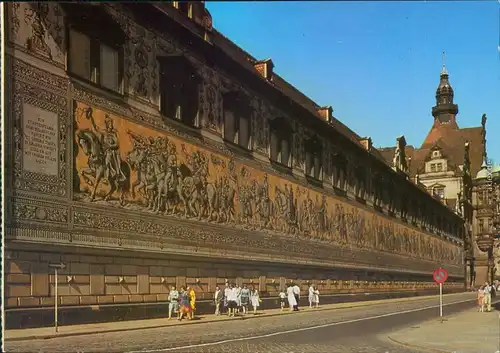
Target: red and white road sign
{"x":440,"y":275}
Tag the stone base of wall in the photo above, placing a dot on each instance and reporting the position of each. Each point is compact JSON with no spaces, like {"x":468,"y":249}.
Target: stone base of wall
{"x":101,"y":285}
{"x":44,"y":317}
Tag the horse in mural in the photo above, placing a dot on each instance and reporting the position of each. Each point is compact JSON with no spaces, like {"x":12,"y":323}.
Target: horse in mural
{"x":97,"y":170}
{"x":137,"y":159}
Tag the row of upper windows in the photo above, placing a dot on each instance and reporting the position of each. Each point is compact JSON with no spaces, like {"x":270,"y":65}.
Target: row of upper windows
{"x":102,"y":65}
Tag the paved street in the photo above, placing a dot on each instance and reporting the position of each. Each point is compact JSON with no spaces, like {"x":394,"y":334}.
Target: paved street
{"x":362,"y":329}
{"x":467,"y":332}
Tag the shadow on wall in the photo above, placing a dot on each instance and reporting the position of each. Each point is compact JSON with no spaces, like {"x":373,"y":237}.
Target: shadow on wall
{"x":16,"y":319}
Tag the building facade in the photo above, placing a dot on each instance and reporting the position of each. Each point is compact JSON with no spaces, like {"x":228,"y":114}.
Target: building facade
{"x":447,"y":163}
{"x":159,"y":153}
{"x":486,"y":224}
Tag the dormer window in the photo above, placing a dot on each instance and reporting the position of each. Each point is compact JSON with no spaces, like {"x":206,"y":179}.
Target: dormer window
{"x":313,"y":154}
{"x":179,"y":94}
{"x":281,"y":142}
{"x":237,"y":120}
{"x":183,"y":6}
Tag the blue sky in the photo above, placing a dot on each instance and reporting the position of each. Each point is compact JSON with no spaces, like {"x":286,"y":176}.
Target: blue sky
{"x":378,"y":63}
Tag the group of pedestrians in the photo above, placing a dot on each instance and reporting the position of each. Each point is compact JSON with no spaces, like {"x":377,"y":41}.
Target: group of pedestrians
{"x":181,"y":303}
{"x":235,"y":299}
{"x":484,"y":296}
{"x":292,"y":295}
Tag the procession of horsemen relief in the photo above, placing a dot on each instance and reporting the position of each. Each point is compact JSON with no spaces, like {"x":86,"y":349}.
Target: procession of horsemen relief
{"x":123,"y":164}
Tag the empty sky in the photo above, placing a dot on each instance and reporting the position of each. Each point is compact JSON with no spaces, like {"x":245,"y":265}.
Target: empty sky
{"x":378,"y":63}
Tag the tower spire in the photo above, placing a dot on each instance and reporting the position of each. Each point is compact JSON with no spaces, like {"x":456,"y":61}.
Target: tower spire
{"x":443,"y":70}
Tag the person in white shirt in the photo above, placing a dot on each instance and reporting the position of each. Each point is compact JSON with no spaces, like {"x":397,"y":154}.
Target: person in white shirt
{"x":232,"y":299}
{"x":282,"y":297}
{"x":487,"y":296}
{"x":292,"y":302}
{"x":238,"y":299}
{"x":316,"y":297}
{"x":227,"y":289}
{"x":218,"y":297}
{"x":296,"y":292}
{"x":311,"y":296}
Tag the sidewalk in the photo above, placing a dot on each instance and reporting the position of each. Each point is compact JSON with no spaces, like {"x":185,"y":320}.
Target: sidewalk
{"x":466,"y":332}
{"x":76,"y":330}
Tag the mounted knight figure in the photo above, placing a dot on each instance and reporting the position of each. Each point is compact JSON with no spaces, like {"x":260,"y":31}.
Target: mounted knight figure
{"x":104,"y":160}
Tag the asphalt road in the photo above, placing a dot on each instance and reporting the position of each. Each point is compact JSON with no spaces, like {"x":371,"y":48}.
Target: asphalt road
{"x":358,"y":330}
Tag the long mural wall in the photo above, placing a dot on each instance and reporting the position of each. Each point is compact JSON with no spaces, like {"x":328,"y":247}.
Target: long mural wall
{"x":122,"y":164}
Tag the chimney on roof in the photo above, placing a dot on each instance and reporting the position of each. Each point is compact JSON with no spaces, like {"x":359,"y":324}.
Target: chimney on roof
{"x":265,"y":68}
{"x":366,"y":142}
{"x":326,"y":113}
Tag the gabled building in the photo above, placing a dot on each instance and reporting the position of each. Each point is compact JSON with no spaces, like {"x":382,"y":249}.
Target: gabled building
{"x":438,"y":162}
{"x":447,"y":163}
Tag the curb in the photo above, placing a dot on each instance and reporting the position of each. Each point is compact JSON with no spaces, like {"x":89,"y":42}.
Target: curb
{"x":197,"y":322}
{"x":414,"y":346}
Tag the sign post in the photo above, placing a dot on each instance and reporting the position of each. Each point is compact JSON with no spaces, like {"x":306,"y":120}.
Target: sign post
{"x":440,"y":276}
{"x":56,"y":267}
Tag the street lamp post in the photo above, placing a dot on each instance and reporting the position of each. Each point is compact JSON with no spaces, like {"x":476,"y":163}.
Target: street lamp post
{"x":56,"y":267}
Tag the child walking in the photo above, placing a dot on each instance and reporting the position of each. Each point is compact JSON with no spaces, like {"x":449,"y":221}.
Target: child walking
{"x":282,"y":297}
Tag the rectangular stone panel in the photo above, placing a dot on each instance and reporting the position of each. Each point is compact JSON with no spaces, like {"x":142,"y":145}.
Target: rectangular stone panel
{"x":62,"y":289}
{"x":113,"y":289}
{"x":18,"y":278}
{"x":79,"y":289}
{"x":143,"y":280}
{"x":156,"y":288}
{"x":88,"y":300}
{"x":77,"y":268}
{"x":40,"y":140}
{"x":16,"y":266}
{"x":40,"y":280}
{"x":18,"y":290}
{"x":29,"y":301}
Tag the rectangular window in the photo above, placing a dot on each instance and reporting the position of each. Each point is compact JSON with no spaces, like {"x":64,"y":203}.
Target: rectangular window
{"x":79,"y":54}
{"x":280,"y":147}
{"x":229,"y":126}
{"x":236,"y":129}
{"x":244,"y":132}
{"x":179,"y":95}
{"x":94,"y":61}
{"x":481,"y":226}
{"x":433,"y":168}
{"x":440,"y":167}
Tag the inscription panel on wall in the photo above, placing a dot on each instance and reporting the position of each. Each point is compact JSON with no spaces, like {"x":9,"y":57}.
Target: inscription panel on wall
{"x":39,"y":130}
{"x":40,"y":140}
{"x":126,"y":165}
